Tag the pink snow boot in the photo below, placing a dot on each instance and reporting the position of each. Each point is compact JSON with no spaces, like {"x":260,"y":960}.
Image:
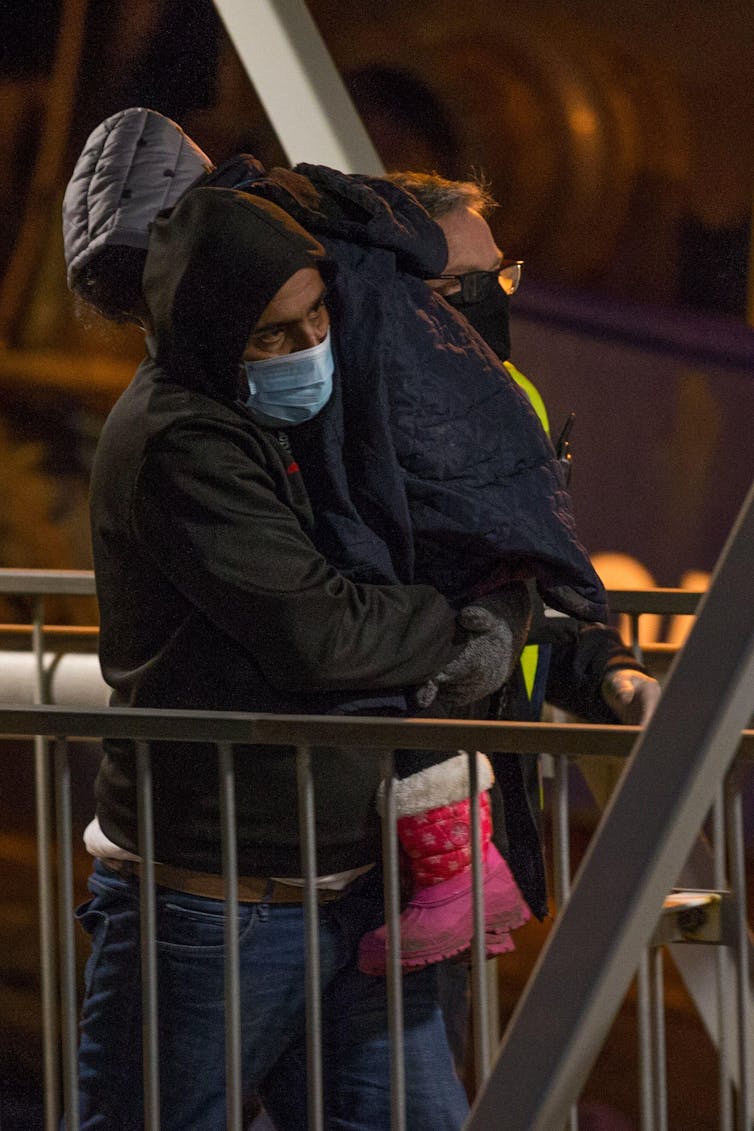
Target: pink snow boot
{"x":438,"y":921}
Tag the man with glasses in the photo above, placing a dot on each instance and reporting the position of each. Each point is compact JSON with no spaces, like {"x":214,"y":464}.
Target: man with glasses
{"x":479,"y":282}
{"x":583,"y":669}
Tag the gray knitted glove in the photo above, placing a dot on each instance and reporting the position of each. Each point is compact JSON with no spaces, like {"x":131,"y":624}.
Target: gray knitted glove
{"x":497,"y":628}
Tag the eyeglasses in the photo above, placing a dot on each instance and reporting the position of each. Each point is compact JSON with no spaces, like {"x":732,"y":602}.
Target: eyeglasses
{"x":477,"y":285}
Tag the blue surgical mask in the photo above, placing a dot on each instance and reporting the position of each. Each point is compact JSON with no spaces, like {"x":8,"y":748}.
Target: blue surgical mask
{"x":293,"y":388}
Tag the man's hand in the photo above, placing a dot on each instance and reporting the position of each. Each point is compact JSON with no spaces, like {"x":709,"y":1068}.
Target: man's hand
{"x":496,"y":626}
{"x":632,"y":695}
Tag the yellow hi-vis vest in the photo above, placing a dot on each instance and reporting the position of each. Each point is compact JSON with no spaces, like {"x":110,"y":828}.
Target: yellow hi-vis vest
{"x":530,"y":655}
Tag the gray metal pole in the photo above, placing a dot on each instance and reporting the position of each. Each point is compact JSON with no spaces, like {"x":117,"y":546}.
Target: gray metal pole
{"x":722,"y":966}
{"x":394,"y":970}
{"x":646,"y":1044}
{"x":148,"y":938}
{"x":43,"y":808}
{"x":660,"y":1051}
{"x":232,"y":981}
{"x":298,"y":84}
{"x":307,"y":826}
{"x":69,"y":1030}
{"x":743,"y":986}
{"x":561,"y":847}
{"x":561,"y":862}
{"x":482,"y":1049}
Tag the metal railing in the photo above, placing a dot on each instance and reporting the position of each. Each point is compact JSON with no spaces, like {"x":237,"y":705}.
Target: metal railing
{"x":379,"y":737}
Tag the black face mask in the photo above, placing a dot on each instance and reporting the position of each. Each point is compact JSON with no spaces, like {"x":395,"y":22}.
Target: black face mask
{"x":490,"y":317}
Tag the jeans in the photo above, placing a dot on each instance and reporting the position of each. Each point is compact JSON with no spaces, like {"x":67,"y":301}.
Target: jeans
{"x":191,"y":1016}
{"x":455,"y":1002}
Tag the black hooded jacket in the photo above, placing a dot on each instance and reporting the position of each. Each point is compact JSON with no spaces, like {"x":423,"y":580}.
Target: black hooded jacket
{"x":212,"y":595}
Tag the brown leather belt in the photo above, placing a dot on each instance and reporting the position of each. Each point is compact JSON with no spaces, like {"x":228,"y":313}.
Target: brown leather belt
{"x":251,"y":889}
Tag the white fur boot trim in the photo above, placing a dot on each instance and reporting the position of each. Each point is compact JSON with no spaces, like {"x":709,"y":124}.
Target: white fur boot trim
{"x":441,"y":784}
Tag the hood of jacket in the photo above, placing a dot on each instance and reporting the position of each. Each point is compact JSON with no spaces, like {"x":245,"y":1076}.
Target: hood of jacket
{"x":134,"y":164}
{"x":214,"y":263}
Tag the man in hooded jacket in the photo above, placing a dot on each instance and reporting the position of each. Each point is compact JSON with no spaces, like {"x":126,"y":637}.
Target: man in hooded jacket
{"x":213,"y":596}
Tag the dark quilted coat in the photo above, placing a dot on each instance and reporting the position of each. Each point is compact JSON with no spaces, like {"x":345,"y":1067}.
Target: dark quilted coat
{"x":436,"y":467}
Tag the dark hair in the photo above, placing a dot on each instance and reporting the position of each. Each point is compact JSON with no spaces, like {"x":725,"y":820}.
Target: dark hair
{"x":111,"y":283}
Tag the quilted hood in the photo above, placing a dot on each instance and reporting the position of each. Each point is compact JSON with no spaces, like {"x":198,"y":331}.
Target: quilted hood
{"x":133,"y":165}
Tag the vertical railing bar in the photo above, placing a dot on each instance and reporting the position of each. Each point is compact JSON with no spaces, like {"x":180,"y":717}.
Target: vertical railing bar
{"x":561,"y":850}
{"x":69,"y":1029}
{"x":743,"y":991}
{"x":561,"y":857}
{"x":43,"y":807}
{"x":635,"y":643}
{"x":660,"y":1074}
{"x":646,"y":1043}
{"x":390,"y":867}
{"x":722,"y":967}
{"x":148,"y":937}
{"x":46,"y":901}
{"x":232,"y":971}
{"x":307,"y":832}
{"x":478,"y":948}
{"x":722,"y":980}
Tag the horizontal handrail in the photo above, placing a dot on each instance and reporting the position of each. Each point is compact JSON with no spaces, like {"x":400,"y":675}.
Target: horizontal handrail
{"x":325,"y":730}
{"x":80,"y":582}
{"x":85,"y":639}
{"x":639,"y":601}
{"x":57,"y":637}
{"x":321,"y":730}
{"x":31,"y":582}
